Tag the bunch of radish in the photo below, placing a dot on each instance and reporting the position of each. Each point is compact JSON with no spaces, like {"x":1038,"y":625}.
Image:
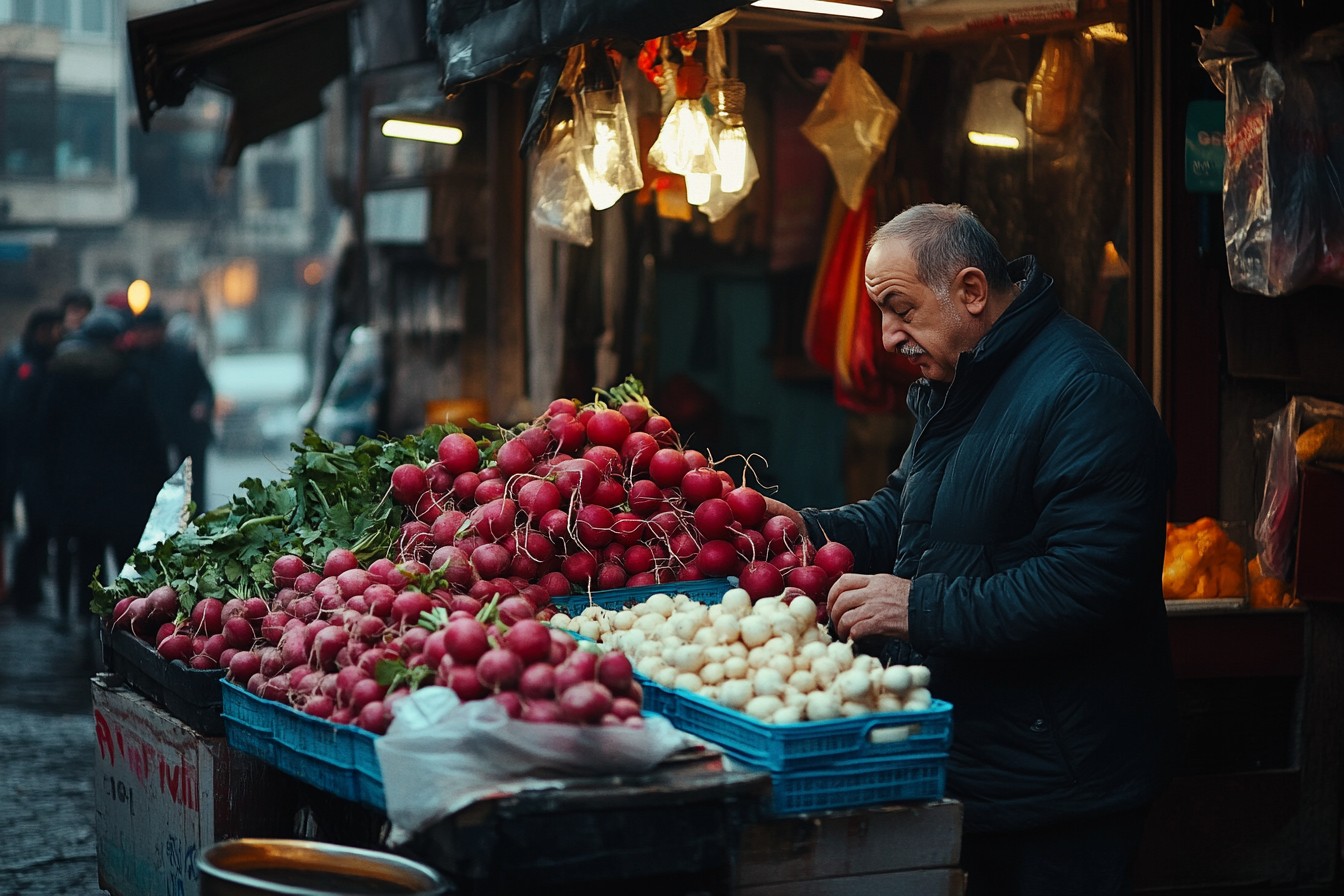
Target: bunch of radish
{"x":769,"y":658}
{"x":537,"y":673}
{"x":595,"y":497}
{"x":345,"y":643}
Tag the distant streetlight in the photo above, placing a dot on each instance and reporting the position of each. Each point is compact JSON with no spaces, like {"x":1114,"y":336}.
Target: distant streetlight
{"x":137,"y":296}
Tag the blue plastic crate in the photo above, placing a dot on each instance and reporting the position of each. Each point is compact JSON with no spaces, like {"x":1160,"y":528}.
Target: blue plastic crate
{"x":803,"y":744}
{"x":705,"y":591}
{"x":339,"y":759}
{"x":909,"y":778}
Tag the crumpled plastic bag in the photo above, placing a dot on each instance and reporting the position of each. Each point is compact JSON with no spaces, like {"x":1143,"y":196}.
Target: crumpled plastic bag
{"x":440,"y":755}
{"x":1275,"y":528}
{"x":1283,"y":198}
{"x":170,"y":515}
{"x":560,"y":205}
{"x":850,"y":125}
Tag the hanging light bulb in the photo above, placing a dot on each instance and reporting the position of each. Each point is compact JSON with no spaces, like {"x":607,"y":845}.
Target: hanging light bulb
{"x":729,"y":96}
{"x":685,"y":144}
{"x":733,"y":149}
{"x":698,"y":188}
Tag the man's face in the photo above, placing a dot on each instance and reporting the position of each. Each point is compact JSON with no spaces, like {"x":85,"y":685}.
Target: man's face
{"x":74,"y":316}
{"x":927,"y":326}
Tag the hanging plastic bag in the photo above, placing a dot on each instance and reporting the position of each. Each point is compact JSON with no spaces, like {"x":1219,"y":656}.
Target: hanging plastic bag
{"x":440,"y":755}
{"x":1276,"y":522}
{"x":850,"y":125}
{"x":608,"y":152}
{"x":1283,"y":202}
{"x":1055,"y":90}
{"x":560,"y":205}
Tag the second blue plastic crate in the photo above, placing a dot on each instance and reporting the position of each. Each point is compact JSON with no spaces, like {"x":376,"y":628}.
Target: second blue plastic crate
{"x":705,"y":591}
{"x":803,"y":744}
{"x":911,"y":778}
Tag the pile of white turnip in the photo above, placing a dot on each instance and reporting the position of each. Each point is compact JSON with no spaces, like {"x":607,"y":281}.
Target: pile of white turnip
{"x":769,"y":658}
{"x":597,"y":497}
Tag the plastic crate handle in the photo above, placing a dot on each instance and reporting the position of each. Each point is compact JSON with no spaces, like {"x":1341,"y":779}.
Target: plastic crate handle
{"x":889,"y":731}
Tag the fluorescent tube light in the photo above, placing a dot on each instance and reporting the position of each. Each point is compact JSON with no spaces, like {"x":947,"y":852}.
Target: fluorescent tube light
{"x":822,"y":8}
{"x":409,"y":129}
{"x":1002,"y":141}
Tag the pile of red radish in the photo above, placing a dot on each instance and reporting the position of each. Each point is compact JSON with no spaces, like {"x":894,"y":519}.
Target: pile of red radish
{"x":597,"y":497}
{"x":345,"y":643}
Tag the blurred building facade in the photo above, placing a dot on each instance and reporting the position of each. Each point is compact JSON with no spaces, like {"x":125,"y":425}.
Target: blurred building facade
{"x":87,"y":199}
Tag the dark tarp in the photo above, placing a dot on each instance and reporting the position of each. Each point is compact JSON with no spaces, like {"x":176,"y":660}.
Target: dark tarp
{"x":479,"y":38}
{"x":274,"y":57}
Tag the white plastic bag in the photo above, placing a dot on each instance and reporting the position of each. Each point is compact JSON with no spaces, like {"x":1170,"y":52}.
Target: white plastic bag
{"x":440,"y":755}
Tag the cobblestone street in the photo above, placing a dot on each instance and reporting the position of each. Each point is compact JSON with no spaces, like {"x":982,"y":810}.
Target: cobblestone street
{"x":47,"y":744}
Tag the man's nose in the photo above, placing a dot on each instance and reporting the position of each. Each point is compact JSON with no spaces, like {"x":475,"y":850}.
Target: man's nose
{"x":893,"y":337}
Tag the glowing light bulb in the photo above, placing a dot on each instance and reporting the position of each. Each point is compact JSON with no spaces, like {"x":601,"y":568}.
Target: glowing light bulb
{"x":685,"y":145}
{"x":698,"y":187}
{"x":733,"y":151}
{"x":608,"y":154}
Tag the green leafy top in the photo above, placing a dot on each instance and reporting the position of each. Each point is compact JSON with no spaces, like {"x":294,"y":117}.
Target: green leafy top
{"x":334,"y":495}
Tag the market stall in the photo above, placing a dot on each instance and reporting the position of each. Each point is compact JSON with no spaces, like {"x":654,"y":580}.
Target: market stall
{"x":582,"y":626}
{"x":734,"y":288}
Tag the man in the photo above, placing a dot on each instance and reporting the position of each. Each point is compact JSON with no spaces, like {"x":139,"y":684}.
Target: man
{"x":1017,"y":550}
{"x":22,"y":379}
{"x":104,"y":457}
{"x":180,"y":391}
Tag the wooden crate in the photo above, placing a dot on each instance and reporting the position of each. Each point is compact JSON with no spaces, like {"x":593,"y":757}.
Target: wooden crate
{"x":163,"y":793}
{"x":904,"y":849}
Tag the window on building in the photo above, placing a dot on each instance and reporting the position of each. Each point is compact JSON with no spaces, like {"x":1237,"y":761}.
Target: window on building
{"x":27,"y":118}
{"x":53,"y":13}
{"x":175,"y":172}
{"x":93,"y":16}
{"x":276,"y":184}
{"x":85,"y":136}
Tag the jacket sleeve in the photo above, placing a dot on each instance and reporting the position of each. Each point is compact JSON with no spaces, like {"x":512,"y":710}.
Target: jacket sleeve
{"x":1091,"y":567}
{"x":868,"y":528}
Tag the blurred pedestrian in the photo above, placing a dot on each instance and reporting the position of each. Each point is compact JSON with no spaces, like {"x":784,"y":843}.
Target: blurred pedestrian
{"x":180,"y":390}
{"x":22,"y":375}
{"x":75,"y":306}
{"x":104,"y":456}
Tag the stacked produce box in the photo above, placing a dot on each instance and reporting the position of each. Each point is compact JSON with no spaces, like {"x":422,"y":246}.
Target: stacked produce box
{"x":448,"y":559}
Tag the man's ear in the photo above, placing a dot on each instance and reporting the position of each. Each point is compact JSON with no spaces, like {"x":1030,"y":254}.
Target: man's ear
{"x":970,"y":287}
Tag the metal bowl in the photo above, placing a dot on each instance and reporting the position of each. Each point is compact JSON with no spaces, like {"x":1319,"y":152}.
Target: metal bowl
{"x":265,"y":867}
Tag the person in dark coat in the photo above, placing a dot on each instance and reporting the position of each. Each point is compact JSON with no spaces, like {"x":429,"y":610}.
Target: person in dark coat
{"x":105,"y":456}
{"x":22,"y":377}
{"x":1017,"y":552}
{"x":181,"y":393}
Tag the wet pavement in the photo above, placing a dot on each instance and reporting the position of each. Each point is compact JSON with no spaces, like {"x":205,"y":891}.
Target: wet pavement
{"x":47,"y":746}
{"x":47,"y":842}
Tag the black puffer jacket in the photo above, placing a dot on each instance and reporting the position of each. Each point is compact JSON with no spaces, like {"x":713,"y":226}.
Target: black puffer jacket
{"x":1029,"y":511}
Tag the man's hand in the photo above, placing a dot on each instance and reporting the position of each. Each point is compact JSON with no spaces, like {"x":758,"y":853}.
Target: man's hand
{"x":864,"y":606}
